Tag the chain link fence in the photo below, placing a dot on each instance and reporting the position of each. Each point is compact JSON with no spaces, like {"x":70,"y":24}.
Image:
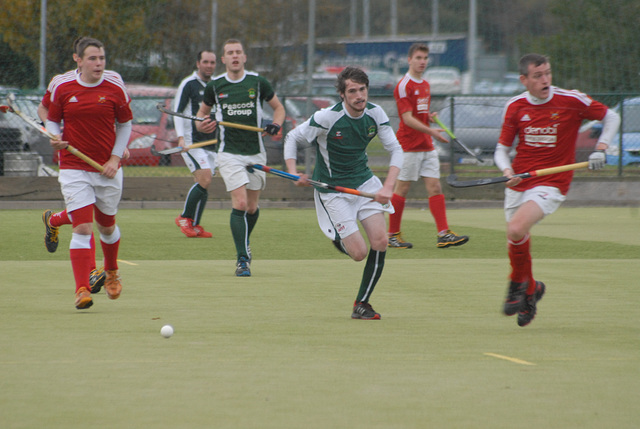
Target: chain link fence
{"x":153,"y":45}
{"x":474,"y":119}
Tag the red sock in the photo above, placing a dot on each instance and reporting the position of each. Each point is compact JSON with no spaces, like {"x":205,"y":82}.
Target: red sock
{"x":81,"y":264}
{"x":395,"y":219}
{"x":521,"y":267}
{"x":59,"y":219}
{"x":110,"y":252}
{"x":438,"y":209}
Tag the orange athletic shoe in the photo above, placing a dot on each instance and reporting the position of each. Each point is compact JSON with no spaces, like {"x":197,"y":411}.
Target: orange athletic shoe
{"x":83,"y":299}
{"x":201,"y":232}
{"x":112,"y":284}
{"x":186,"y":226}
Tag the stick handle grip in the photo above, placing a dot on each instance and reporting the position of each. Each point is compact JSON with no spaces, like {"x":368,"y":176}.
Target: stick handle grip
{"x":559,"y":169}
{"x":201,"y":144}
{"x":280,"y":173}
{"x":353,"y":192}
{"x":85,"y":158}
{"x":313,"y":182}
{"x":241,"y":126}
{"x":444,"y":127}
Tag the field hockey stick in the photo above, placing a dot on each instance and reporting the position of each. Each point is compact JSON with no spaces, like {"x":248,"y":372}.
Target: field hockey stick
{"x":455,"y":139}
{"x":161,"y":108}
{"x":178,"y":149}
{"x":35,"y":124}
{"x":313,"y":182}
{"x":452,"y":179}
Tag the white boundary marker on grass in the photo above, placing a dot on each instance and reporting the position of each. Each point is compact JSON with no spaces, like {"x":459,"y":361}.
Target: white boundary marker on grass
{"x":510,"y":359}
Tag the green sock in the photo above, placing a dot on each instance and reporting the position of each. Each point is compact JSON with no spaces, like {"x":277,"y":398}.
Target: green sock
{"x":252,"y":219}
{"x":239,"y":231}
{"x":204,"y":196}
{"x":193,"y":202}
{"x":371,"y":275}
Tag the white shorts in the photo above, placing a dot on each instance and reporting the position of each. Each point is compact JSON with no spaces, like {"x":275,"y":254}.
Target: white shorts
{"x":200,"y":159}
{"x":233,"y":169}
{"x":547,"y":198}
{"x":339,"y":212}
{"x":419,"y":164}
{"x":82,"y":188}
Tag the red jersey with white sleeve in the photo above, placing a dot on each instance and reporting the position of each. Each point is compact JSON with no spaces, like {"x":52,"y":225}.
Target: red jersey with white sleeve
{"x":46,"y":100}
{"x":89,"y":113}
{"x":413,"y":96}
{"x":547,"y":132}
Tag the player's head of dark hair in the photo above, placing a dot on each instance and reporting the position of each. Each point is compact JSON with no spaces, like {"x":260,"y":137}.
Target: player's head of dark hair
{"x":531,"y":59}
{"x":418,"y":47}
{"x":354,"y":74}
{"x":82,"y":43}
{"x":202,"y":52}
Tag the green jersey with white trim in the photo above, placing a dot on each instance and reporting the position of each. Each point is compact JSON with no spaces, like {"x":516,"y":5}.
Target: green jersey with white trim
{"x":342,"y":140}
{"x":239,"y":102}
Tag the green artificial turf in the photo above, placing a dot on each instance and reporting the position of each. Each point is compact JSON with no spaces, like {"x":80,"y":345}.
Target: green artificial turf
{"x":279,"y":350}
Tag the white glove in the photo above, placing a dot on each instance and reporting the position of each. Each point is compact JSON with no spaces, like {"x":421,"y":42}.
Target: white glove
{"x":597,"y":160}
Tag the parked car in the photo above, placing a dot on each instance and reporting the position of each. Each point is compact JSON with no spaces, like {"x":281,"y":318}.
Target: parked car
{"x":475,"y":121}
{"x":32,"y":139}
{"x":630,"y":128}
{"x":630,"y":135}
{"x":509,"y":84}
{"x":151,"y":126}
{"x":381,"y":83}
{"x":11,"y":136}
{"x":18,"y":136}
{"x":323,"y":84}
{"x":444,"y":80}
{"x":587,"y":140}
{"x":296,"y":112}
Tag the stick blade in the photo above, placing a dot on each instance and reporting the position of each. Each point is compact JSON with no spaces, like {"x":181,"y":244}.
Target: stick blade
{"x":469,"y":151}
{"x":453,"y":182}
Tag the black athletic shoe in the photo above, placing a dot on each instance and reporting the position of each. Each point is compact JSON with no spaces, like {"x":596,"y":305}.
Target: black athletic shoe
{"x":515,"y":297}
{"x":528,"y":311}
{"x":242,"y":267}
{"x":50,"y":232}
{"x":96,"y":279}
{"x":364,"y":311}
{"x":395,"y":240}
{"x":451,"y":239}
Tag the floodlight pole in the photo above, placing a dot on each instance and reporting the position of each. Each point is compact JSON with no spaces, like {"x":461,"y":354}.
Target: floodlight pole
{"x":214,"y":23}
{"x":43,"y":44}
{"x":311,"y":49}
{"x":473,"y":43}
{"x":366,"y":17}
{"x":394,"y":17}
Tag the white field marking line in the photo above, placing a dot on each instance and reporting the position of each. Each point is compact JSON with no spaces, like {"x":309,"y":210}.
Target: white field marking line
{"x":510,"y":359}
{"x":126,"y":262}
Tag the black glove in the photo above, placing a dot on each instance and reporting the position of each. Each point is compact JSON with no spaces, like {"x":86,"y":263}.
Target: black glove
{"x":272,"y":129}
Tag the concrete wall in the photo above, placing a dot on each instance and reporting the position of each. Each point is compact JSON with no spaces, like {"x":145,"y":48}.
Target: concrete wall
{"x":154,"y":191}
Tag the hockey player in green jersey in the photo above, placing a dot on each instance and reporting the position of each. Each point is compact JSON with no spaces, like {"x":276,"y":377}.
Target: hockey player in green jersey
{"x":341,"y":134}
{"x":238,"y":96}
